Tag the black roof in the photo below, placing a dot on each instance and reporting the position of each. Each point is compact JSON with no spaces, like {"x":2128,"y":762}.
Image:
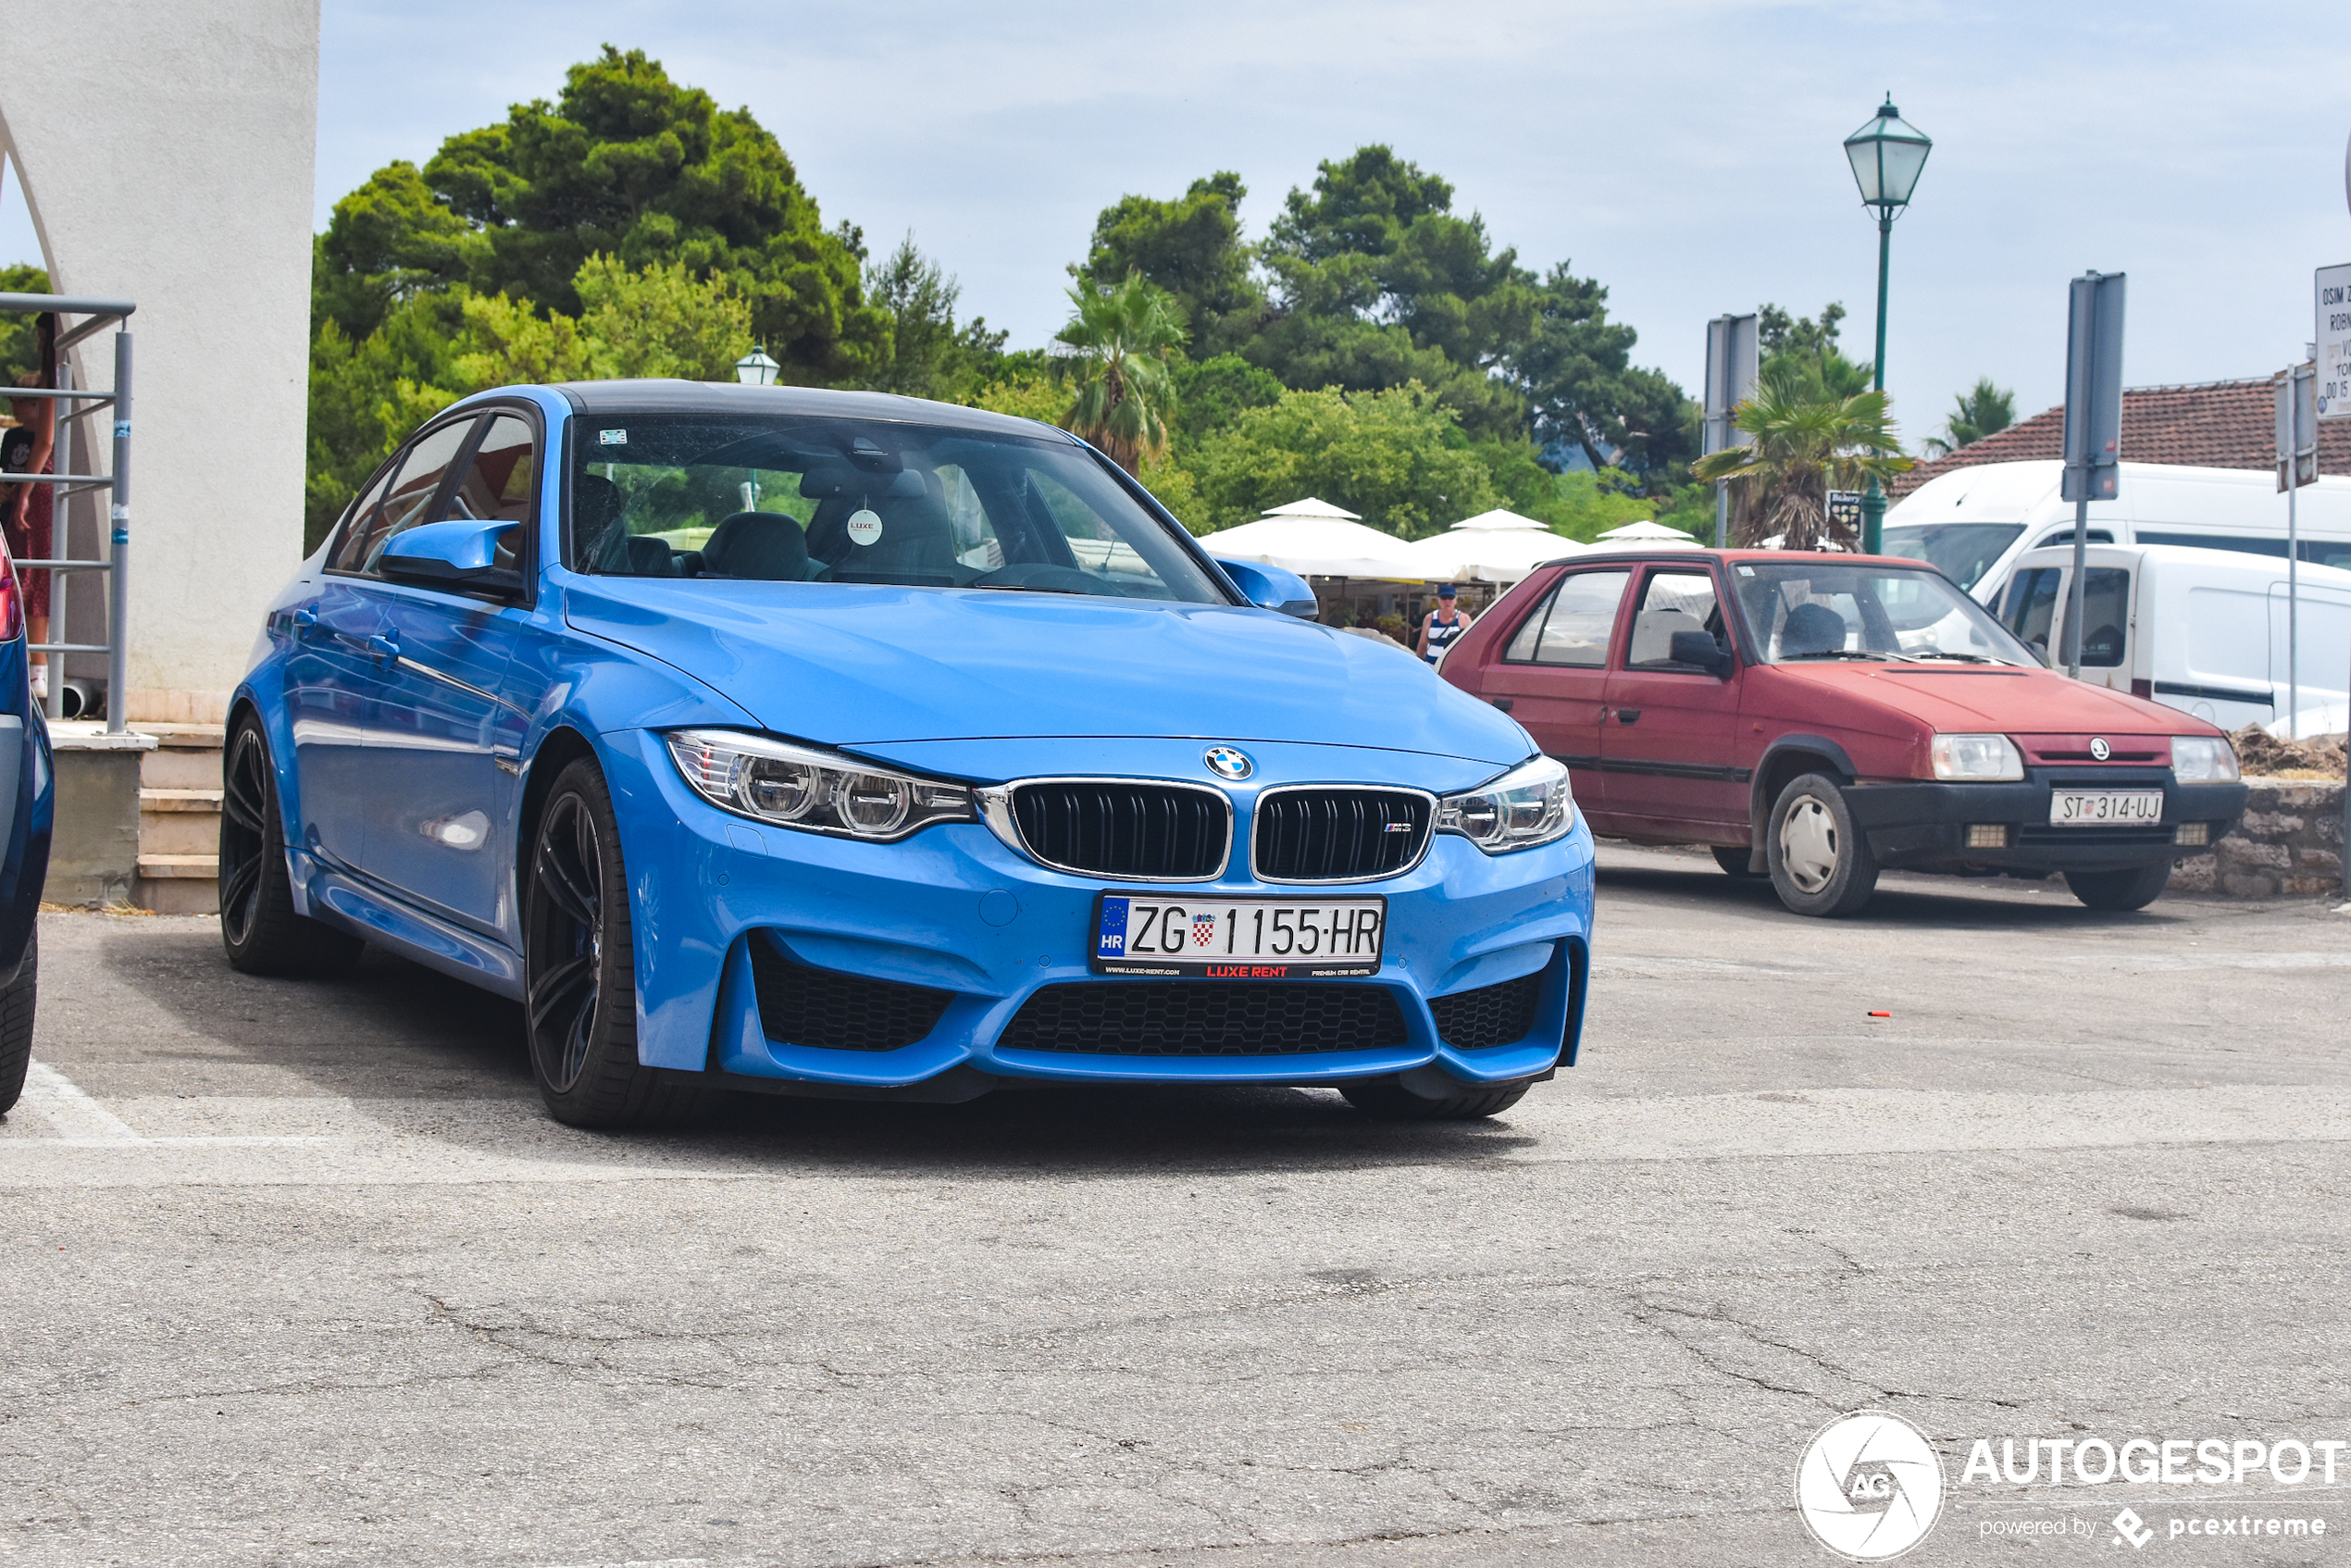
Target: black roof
{"x":732,"y":400}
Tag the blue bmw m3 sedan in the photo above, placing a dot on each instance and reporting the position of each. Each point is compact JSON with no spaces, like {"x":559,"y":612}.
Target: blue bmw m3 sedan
{"x":843,"y":744}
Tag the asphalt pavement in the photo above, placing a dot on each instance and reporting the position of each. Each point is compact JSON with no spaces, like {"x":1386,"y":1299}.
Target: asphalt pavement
{"x":302,"y":1274}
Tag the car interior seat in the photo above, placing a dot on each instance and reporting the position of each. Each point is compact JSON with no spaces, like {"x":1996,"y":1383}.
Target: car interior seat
{"x":1653,"y":635}
{"x":917,"y":542}
{"x":1811,"y":628}
{"x":765,"y":545}
{"x":649,"y":556}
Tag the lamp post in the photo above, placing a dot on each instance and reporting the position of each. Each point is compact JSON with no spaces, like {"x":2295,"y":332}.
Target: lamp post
{"x":755,"y":369}
{"x":1888,"y":155}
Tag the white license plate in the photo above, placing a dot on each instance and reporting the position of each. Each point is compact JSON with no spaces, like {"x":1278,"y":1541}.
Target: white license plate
{"x":1204,"y":937}
{"x":2105,"y":808}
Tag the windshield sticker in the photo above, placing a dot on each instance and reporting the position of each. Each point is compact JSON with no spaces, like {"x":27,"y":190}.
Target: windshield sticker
{"x":864,"y":527}
{"x":612,"y":438}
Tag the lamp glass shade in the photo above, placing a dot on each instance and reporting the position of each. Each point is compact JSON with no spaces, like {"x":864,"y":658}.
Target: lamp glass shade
{"x":755,"y":369}
{"x":1888,"y":156}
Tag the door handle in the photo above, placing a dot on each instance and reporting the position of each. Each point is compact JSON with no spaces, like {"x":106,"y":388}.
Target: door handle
{"x":1628,"y":715}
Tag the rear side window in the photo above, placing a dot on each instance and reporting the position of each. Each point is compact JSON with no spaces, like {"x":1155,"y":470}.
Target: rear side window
{"x":1572,"y":626}
{"x":409,"y":499}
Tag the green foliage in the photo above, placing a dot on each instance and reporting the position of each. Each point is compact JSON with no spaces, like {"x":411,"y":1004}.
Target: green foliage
{"x":1123,"y":336}
{"x":1398,"y":457}
{"x":1211,"y":395}
{"x":928,"y":356}
{"x":624,"y":163}
{"x":1192,"y":248}
{"x":1982,"y":410}
{"x":18,"y":352}
{"x":1802,"y":450}
{"x":1801,"y":360}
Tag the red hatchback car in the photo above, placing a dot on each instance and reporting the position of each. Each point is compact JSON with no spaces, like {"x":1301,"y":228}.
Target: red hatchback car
{"x":1815,"y":717}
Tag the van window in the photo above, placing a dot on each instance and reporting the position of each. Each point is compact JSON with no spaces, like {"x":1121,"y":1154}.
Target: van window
{"x":1962,"y":552}
{"x":2318,"y":551}
{"x":2065,"y":536}
{"x":2033,"y":608}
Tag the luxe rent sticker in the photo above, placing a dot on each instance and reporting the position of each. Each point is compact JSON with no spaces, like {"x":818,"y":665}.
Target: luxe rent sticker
{"x":1869,"y":1485}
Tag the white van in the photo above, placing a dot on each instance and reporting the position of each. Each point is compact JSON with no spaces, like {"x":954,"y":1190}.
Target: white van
{"x":2200,"y":631}
{"x":1973,"y":523}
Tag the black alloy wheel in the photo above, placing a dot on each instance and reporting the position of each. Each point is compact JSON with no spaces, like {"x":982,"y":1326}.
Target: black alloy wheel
{"x":258,"y":924}
{"x":579,"y":966}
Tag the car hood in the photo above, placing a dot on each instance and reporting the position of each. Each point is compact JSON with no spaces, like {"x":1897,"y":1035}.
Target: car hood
{"x":1961,"y":698}
{"x":851,"y":664}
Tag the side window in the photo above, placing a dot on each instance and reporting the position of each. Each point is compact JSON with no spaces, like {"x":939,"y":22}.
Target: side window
{"x":2032,"y":603}
{"x":1672,"y":602}
{"x":2065,"y":536}
{"x":2106,"y":617}
{"x":351,"y":548}
{"x":1573,"y":628}
{"x":500,"y":481}
{"x":409,"y":500}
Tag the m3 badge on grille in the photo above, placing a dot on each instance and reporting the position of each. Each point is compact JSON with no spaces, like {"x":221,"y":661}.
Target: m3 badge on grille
{"x":1228,"y":761}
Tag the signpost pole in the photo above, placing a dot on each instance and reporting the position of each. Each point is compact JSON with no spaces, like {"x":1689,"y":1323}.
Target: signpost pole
{"x":1731,"y":366}
{"x":2331,"y":396}
{"x":2093,"y":426}
{"x":2298,"y":466}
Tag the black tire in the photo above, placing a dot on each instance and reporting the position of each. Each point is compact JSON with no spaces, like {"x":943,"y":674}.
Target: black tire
{"x":16,"y":1023}
{"x":1821,"y":863}
{"x":1734,"y":861}
{"x":2120,"y":890}
{"x":258,"y":924}
{"x":580,"y":967}
{"x":1391,"y":1101}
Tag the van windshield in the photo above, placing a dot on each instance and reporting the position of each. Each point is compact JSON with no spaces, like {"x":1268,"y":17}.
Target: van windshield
{"x":864,"y":501}
{"x":1814,"y":609}
{"x":1962,"y":552}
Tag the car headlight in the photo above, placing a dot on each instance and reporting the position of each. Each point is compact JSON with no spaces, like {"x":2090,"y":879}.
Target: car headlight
{"x":1531,"y":804}
{"x":2204,"y":759}
{"x":775,"y":781}
{"x":1976,"y":758}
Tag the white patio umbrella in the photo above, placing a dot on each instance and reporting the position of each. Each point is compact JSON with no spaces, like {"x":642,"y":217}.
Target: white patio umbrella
{"x":1313,"y":537}
{"x":1657,"y":536}
{"x":1497,"y":546}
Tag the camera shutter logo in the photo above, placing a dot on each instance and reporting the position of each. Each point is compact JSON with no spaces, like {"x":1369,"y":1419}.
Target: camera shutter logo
{"x":2099,"y":749}
{"x":1869,"y":1485}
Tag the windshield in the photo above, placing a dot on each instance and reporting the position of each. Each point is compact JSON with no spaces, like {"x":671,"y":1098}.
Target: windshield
{"x":1819,"y":610}
{"x":1962,"y":552}
{"x":854,"y":501}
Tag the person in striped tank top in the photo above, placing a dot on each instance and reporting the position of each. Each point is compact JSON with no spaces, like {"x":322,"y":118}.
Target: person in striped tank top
{"x":1442,"y":626}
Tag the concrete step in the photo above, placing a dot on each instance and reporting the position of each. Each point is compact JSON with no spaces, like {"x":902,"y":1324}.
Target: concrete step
{"x":180,"y":866}
{"x":179,"y":800}
{"x":178,"y":884}
{"x":172,"y":765}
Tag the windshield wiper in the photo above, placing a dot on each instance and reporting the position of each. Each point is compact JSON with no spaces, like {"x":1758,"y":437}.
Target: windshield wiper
{"x":1026,"y":588}
{"x":1842,"y":653}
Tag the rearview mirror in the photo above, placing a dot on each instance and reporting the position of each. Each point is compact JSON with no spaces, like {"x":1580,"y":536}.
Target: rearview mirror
{"x":1271,"y":588}
{"x":1700,"y":649}
{"x":460,"y":556}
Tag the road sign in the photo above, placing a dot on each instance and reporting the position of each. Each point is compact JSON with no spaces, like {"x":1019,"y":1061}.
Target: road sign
{"x":1844,"y":507}
{"x":2331,"y":291}
{"x":2297,"y":426}
{"x":1731,"y":364}
{"x":2094,"y":388}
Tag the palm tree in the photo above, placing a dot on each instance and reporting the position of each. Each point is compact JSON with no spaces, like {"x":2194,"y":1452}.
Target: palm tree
{"x":1984,"y":409}
{"x":1801,"y":451}
{"x":1118,"y":344}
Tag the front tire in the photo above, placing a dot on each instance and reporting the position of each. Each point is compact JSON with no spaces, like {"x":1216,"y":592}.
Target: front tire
{"x":580,"y":965}
{"x":2120,"y":892}
{"x":1388,"y":1100}
{"x":16,"y":1023}
{"x":258,"y":926}
{"x":1821,"y":863}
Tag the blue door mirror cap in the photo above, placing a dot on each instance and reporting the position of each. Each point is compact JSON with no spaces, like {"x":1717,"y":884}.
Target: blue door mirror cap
{"x":468,"y":545}
{"x":1272,"y":588}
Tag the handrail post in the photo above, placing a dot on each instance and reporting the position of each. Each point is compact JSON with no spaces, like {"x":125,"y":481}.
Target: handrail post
{"x":119,"y":524}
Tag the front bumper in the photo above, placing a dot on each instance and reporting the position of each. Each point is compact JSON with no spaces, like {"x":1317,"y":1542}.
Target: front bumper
{"x":953,"y":909}
{"x":1925,"y":825}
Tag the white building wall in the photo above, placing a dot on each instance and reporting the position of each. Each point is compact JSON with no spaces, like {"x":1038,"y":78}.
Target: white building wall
{"x":166,"y":153}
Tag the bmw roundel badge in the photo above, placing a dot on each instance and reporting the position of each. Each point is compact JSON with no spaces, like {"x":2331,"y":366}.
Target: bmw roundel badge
{"x":2099,"y":749}
{"x":1228,"y":761}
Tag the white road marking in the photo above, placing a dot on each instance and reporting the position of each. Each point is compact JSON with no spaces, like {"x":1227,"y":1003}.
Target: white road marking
{"x":82,"y":1123}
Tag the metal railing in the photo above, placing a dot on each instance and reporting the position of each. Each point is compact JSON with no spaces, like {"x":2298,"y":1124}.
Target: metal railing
{"x":74,"y":448}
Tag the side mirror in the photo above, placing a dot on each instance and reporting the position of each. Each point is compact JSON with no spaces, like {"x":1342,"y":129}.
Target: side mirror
{"x":461,"y":557}
{"x":1271,"y":588}
{"x":1700,"y":649}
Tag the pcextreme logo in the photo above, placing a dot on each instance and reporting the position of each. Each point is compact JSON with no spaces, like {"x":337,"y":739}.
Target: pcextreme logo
{"x":1869,"y":1485}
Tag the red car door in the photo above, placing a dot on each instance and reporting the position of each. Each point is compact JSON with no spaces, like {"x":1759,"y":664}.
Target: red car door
{"x":1670,"y":741}
{"x":1553,"y":671}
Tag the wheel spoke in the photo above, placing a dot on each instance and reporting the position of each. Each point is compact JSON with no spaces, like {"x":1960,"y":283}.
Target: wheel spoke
{"x":240,"y":893}
{"x":570,"y":892}
{"x":559,"y":987}
{"x":242,"y":800}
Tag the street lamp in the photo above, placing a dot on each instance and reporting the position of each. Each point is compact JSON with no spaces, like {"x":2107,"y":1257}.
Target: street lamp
{"x":755,"y":369}
{"x":1888,"y":156}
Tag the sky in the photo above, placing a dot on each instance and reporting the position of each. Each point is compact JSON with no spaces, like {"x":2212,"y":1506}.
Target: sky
{"x":1684,"y":152}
